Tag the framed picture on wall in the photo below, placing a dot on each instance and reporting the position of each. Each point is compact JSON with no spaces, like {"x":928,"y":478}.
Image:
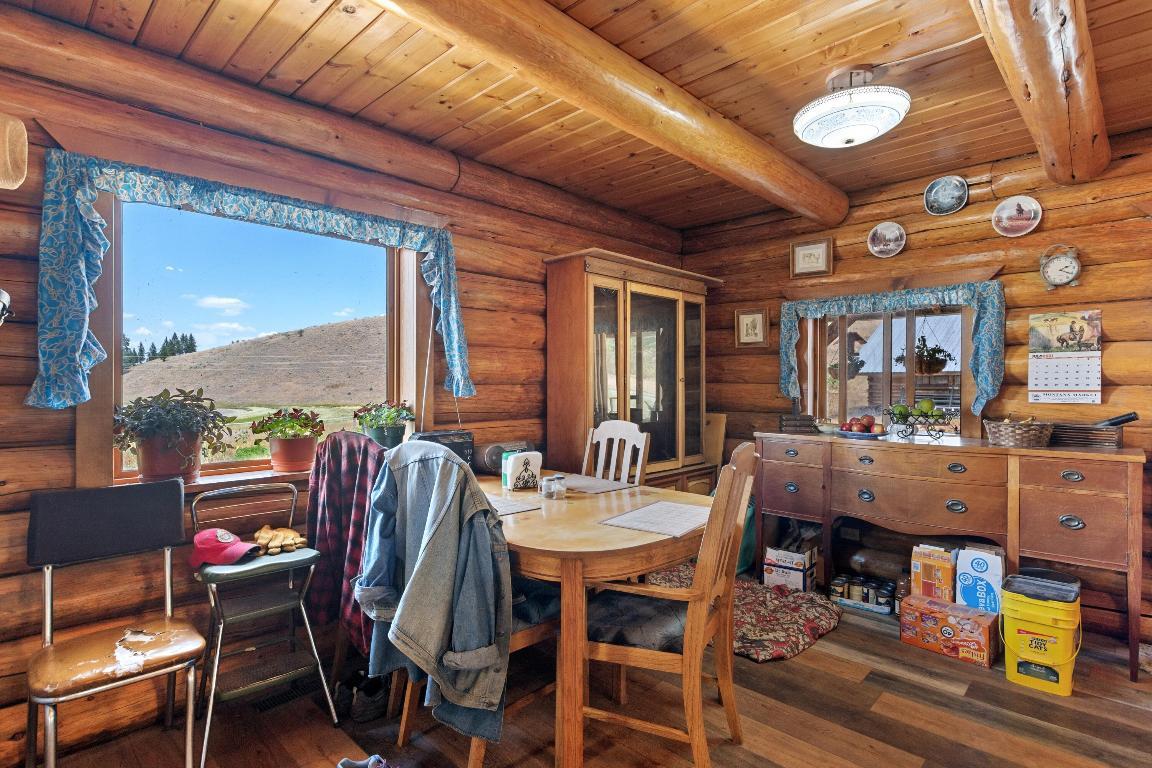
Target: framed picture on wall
{"x":811,"y":258}
{"x":751,"y":327}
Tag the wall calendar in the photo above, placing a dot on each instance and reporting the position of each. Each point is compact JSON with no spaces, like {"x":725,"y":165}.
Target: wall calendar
{"x":1064,"y":357}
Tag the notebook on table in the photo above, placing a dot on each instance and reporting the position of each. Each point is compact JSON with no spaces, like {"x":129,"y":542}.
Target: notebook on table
{"x":667,"y":518}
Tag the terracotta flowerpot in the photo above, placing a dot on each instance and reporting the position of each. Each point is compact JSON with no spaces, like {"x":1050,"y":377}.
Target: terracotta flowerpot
{"x":159,"y":462}
{"x":292,"y":454}
{"x":389,"y":437}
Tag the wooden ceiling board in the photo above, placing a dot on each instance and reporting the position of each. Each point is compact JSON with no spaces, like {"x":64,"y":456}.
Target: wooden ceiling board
{"x":754,"y":61}
{"x":170,"y":25}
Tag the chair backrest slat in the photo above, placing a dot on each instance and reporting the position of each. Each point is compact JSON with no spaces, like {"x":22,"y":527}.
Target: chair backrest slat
{"x":716,"y":564}
{"x":617,"y":450}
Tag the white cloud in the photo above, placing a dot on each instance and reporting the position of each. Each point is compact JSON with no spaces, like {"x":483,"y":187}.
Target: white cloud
{"x":229,"y":306}
{"x":167,"y":323}
{"x":129,"y":316}
{"x":223,"y":327}
{"x":142,"y":331}
{"x":346,"y":312}
{"x":171,"y":268}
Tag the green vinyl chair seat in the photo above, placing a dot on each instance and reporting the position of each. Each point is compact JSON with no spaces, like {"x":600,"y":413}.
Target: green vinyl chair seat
{"x":258,"y":566}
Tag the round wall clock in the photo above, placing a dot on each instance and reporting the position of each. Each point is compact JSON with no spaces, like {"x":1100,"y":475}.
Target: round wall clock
{"x":1016,"y":216}
{"x":886,"y":239}
{"x":1060,"y":265}
{"x":946,"y":195}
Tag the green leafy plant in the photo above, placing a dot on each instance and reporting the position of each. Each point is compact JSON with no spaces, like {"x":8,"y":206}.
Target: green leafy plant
{"x":386,"y":414}
{"x":288,"y":423}
{"x":928,"y":355}
{"x":183,"y":415}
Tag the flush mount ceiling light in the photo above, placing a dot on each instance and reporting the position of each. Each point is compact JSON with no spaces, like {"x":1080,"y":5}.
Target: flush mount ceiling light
{"x":853,"y":113}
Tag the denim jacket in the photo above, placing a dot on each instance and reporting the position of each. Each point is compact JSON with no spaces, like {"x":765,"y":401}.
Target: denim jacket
{"x":435,"y":577}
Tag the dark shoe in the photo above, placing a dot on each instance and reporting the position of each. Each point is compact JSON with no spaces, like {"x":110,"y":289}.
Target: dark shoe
{"x":370,"y":701}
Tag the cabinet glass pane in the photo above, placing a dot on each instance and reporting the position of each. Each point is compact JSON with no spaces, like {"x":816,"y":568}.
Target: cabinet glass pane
{"x":652,"y":371}
{"x":605,"y":341}
{"x":693,"y":382}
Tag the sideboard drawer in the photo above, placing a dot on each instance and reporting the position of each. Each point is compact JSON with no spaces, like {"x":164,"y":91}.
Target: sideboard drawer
{"x":1060,"y":525}
{"x":960,"y":506}
{"x":792,"y":489}
{"x":1075,"y":474}
{"x":796,"y":452}
{"x":967,"y":467}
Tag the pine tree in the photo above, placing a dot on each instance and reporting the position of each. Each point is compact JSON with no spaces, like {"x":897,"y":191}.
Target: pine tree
{"x":127,"y":355}
{"x":152,"y":353}
{"x":191,"y":343}
{"x":141,"y":354}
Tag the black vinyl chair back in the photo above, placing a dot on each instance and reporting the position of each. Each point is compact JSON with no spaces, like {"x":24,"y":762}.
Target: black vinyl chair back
{"x":81,"y":525}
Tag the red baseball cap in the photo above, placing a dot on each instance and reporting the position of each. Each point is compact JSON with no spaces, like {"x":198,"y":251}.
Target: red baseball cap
{"x":216,"y":546}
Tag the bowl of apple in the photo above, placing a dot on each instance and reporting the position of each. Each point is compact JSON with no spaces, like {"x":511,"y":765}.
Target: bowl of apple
{"x":827,"y":427}
{"x":862,"y":428}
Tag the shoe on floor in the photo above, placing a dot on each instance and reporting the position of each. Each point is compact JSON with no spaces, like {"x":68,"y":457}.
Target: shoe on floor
{"x":370,"y":762}
{"x":369,"y":702}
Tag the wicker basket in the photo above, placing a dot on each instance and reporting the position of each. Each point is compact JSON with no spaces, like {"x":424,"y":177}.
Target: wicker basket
{"x":1018,"y":434}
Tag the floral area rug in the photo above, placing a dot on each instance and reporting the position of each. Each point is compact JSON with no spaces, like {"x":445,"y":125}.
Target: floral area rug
{"x":771,"y":622}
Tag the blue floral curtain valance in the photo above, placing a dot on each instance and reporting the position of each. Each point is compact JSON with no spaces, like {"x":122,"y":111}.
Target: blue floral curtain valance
{"x":72,"y":247}
{"x":985,"y":298}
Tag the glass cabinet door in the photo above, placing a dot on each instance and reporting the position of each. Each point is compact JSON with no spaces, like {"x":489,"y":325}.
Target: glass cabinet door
{"x":653,"y":371}
{"x":607,"y":311}
{"x":693,"y":380}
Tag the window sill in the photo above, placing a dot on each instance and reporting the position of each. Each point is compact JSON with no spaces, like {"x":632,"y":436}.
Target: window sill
{"x":209,"y":482}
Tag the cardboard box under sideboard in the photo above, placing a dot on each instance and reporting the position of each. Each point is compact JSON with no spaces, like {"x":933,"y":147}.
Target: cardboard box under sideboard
{"x":949,"y":629}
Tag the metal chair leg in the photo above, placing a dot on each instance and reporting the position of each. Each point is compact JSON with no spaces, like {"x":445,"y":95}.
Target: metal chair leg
{"x":319,"y":665}
{"x":203,"y":695}
{"x":190,"y":717}
{"x":30,"y":734}
{"x":49,"y":736}
{"x":170,"y":700}
{"x":212,"y":693}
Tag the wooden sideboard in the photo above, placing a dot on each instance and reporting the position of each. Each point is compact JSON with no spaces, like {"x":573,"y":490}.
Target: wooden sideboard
{"x":1070,"y":505}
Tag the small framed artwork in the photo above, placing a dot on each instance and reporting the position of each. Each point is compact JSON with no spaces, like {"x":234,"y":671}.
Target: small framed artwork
{"x":810,"y":259}
{"x":752,"y":327}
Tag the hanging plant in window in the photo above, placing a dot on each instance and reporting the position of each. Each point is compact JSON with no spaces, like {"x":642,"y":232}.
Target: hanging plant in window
{"x":929,"y":359}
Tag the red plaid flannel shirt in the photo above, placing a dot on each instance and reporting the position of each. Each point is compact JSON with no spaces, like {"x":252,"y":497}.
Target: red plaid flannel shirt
{"x":339,"y":495}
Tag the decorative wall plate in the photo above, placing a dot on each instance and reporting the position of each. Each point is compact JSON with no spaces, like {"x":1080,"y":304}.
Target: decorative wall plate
{"x":946,"y":195}
{"x":886,"y":239}
{"x":1016,"y":216}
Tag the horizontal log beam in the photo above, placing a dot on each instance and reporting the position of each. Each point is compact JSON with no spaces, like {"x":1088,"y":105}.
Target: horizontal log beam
{"x":546,"y":46}
{"x":1044,"y":52}
{"x":37,"y":46}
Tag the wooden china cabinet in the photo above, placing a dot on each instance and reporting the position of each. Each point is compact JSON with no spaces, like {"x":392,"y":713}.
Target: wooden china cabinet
{"x":626,"y":341}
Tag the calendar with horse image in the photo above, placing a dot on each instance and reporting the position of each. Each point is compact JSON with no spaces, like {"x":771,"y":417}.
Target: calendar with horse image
{"x":1064,"y":357}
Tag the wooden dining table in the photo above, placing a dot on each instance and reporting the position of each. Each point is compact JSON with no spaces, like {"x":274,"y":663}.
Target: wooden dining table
{"x":566,"y":541}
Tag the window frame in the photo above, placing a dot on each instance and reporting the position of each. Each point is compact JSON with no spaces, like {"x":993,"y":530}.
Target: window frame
{"x":99,"y":464}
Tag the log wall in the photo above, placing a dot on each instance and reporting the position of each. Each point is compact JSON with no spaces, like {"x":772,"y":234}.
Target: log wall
{"x":1108,"y":220}
{"x":499,"y":255}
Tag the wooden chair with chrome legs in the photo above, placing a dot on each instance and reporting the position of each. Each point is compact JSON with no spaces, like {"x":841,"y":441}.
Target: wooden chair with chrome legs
{"x":617,"y":450}
{"x":82,"y":526}
{"x":667,"y":628}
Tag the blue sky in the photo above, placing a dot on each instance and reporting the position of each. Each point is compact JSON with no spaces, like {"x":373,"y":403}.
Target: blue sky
{"x":223,"y":280}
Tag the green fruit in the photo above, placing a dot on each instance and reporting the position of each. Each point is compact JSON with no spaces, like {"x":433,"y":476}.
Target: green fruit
{"x":926,"y":405}
{"x":900,"y":410}
{"x":937,"y":412}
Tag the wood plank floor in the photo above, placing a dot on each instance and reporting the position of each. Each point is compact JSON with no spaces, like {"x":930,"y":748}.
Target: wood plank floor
{"x":858,"y":699}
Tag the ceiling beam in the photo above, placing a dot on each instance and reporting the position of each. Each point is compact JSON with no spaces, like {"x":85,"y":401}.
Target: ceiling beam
{"x":37,"y":46}
{"x":534,"y":39}
{"x":1044,"y":53}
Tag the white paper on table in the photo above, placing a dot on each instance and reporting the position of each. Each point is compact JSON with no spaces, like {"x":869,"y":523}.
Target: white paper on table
{"x":664,"y":517}
{"x":588,"y":484}
{"x":503,"y":506}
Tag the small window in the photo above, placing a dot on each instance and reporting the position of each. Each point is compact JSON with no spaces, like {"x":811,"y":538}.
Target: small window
{"x":870,"y":362}
{"x":260,"y":317}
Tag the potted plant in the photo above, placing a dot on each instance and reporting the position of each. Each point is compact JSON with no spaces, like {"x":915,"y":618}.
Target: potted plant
{"x":929,"y":360}
{"x":385,"y":422}
{"x":291,"y":435}
{"x":169,"y":432}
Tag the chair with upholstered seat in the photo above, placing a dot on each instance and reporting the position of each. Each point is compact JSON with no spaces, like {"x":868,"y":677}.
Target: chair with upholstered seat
{"x":616,"y":450}
{"x":668,"y":628}
{"x":83,"y":526}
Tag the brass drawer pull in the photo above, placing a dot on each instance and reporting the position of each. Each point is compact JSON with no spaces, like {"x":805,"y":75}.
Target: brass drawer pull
{"x":957,"y":467}
{"x":1072,"y":522}
{"x":865,"y":495}
{"x":956,"y":506}
{"x":791,"y":452}
{"x":791,"y":487}
{"x":866,"y":459}
{"x":1072,"y":476}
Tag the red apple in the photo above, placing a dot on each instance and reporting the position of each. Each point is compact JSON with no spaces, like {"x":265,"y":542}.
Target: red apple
{"x":878,"y":429}
{"x":868,"y":420}
{"x":854,"y":420}
{"x":858,"y":427}
{"x":846,"y":427}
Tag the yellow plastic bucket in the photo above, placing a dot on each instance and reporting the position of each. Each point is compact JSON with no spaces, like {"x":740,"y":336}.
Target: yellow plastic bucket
{"x":1041,"y":632}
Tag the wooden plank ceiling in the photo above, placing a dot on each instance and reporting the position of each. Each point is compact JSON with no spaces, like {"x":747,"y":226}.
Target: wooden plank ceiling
{"x":755,"y":61}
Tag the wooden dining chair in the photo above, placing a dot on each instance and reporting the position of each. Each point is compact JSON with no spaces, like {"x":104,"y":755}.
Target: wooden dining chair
{"x":667,"y":628}
{"x":616,"y":450}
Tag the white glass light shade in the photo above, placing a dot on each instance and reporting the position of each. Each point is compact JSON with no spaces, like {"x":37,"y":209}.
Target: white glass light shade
{"x":851,"y":116}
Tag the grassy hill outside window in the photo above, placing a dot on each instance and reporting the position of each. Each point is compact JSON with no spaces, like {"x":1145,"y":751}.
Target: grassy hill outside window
{"x":73,"y":244}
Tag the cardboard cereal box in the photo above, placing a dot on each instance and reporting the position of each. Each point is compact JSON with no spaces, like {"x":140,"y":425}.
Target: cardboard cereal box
{"x":934,"y":572}
{"x":949,"y":629}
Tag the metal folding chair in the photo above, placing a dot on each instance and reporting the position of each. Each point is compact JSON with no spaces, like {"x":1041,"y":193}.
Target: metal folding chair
{"x":239,"y":593}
